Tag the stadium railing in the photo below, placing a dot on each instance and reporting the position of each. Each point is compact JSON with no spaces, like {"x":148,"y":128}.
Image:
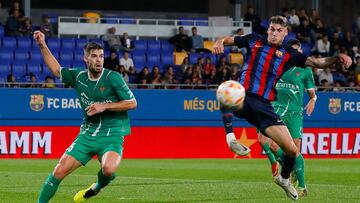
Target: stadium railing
{"x":155,"y":28}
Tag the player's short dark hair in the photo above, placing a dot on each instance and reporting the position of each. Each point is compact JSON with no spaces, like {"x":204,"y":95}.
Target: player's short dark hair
{"x":281,"y":20}
{"x":91,"y":46}
{"x":292,"y":42}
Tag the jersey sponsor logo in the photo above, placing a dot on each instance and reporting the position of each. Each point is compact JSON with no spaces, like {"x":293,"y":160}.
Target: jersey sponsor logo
{"x":36,"y":102}
{"x":334,"y":105}
{"x":279,"y":53}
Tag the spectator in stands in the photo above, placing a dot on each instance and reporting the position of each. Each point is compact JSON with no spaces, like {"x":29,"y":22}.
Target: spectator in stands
{"x":324,"y":86}
{"x":112,"y":39}
{"x":26,"y":27}
{"x":338,"y":28}
{"x":251,"y":16}
{"x":11,"y":81}
{"x":314,"y":16}
{"x":3,"y":15}
{"x":211,"y":79}
{"x":339,"y":77}
{"x":222,"y":62}
{"x":181,"y":41}
{"x":33,"y":83}
{"x":169,"y":76}
{"x":318,"y":29}
{"x":337,"y":87}
{"x":294,"y":20}
{"x":349,"y":41}
{"x":200,"y":62}
{"x":186,"y":78}
{"x":112,"y":62}
{"x":197,"y":42}
{"x":303,"y":15}
{"x":196,"y":73}
{"x":236,"y":49}
{"x":303,"y":32}
{"x":123,"y":73}
{"x":128,"y":63}
{"x":13,"y":25}
{"x":185,"y":64}
{"x":223,"y":74}
{"x":326,"y":75}
{"x":16,"y":7}
{"x":143,"y":77}
{"x":208,"y":68}
{"x":335,"y":43}
{"x":155,"y":77}
{"x":323,"y":46}
{"x":48,"y":83}
{"x":234,"y":73}
{"x":357,"y":66}
{"x":126,"y":44}
{"x":46,"y":27}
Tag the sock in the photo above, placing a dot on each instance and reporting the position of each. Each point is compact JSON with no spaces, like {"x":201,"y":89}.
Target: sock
{"x":289,"y":163}
{"x":227,"y":117}
{"x":49,"y":189}
{"x":269,"y":154}
{"x":103,"y":180}
{"x":300,"y":170}
{"x":279,"y":156}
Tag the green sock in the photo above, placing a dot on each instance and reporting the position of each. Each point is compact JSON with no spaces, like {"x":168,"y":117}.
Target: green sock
{"x":300,"y":170}
{"x":103,"y":180}
{"x":49,"y":189}
{"x":269,"y":154}
{"x":279,"y":156}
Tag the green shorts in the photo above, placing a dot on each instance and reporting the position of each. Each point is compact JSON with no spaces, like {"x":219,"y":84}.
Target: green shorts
{"x":86,"y":146}
{"x":294,"y":122}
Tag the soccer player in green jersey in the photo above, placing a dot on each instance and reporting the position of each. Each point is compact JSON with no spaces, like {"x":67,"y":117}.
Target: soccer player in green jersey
{"x":105,"y":99}
{"x":289,"y":106}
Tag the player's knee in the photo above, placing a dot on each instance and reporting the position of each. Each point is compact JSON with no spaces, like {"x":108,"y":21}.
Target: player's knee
{"x":108,"y":169}
{"x":291,"y":151}
{"x":60,"y":172}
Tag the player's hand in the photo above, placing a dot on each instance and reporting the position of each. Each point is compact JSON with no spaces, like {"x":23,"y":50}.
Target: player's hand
{"x":310,"y":106}
{"x":345,"y":61}
{"x":218,"y":47}
{"x":95,"y":109}
{"x":39,"y":37}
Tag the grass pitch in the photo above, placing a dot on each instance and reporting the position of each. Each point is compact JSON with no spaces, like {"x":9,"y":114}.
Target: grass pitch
{"x":183,"y":180}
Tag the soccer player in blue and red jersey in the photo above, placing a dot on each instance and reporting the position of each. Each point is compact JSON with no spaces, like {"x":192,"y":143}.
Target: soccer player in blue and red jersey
{"x":266,"y":62}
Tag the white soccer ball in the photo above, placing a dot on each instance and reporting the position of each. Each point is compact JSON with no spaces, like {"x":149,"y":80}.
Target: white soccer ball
{"x":230,"y":94}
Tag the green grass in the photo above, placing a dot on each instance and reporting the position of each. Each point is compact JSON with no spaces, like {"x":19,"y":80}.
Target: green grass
{"x":183,"y":180}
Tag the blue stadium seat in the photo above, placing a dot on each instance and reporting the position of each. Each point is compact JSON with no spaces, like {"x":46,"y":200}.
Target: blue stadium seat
{"x":6,"y":55}
{"x":65,"y":63}
{"x":54,"y":43}
{"x":79,"y":55}
{"x":2,"y":32}
{"x":24,"y":43}
{"x":193,"y":57}
{"x":99,"y":41}
{"x":153,"y":59}
{"x":34,"y":68}
{"x":201,"y":22}
{"x":126,"y":20}
{"x":186,"y":21}
{"x":167,"y":59}
{"x":35,"y":56}
{"x":264,"y":23}
{"x":80,"y":43}
{"x":291,"y":35}
{"x":306,"y":47}
{"x":9,"y":42}
{"x":167,"y":46}
{"x":212,"y":57}
{"x":154,"y":46}
{"x":55,"y":52}
{"x":18,"y":69}
{"x":5,"y":69}
{"x":140,"y":45}
{"x":110,"y":19}
{"x":21,"y":55}
{"x":66,"y":56}
{"x":68,"y":43}
{"x":45,"y":71}
{"x":79,"y":64}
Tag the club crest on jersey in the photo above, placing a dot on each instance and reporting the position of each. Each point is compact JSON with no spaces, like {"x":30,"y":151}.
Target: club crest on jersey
{"x":278,"y":53}
{"x":36,"y":102}
{"x":334,"y":105}
{"x":102,"y":88}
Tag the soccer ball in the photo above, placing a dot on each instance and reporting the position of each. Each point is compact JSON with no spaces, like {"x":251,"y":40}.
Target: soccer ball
{"x":230,"y":94}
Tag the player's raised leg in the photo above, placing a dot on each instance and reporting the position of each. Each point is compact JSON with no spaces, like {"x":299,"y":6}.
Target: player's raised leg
{"x":280,"y":134}
{"x":109,"y":164}
{"x":66,"y":165}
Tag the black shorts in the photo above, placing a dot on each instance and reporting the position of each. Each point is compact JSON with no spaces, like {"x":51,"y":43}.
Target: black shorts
{"x":258,"y":112}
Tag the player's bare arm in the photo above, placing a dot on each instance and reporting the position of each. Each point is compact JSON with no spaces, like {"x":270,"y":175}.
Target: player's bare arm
{"x":49,"y":58}
{"x":221,"y":42}
{"x":322,"y":63}
{"x":311,"y":104}
{"x":115,"y":106}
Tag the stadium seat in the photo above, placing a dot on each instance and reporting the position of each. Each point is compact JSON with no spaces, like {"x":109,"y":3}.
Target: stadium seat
{"x":140,"y":45}
{"x":153,"y":46}
{"x":186,"y":21}
{"x":6,"y":55}
{"x":65,"y":63}
{"x":179,"y":57}
{"x":80,"y":43}
{"x":5,"y":69}
{"x":127,"y":20}
{"x":212,"y":57}
{"x":264,"y":23}
{"x":9,"y":42}
{"x":34,"y":68}
{"x":21,"y":55}
{"x":67,"y":56}
{"x":110,"y":19}
{"x":79,"y":64}
{"x":209,"y":45}
{"x":167,"y":59}
{"x":291,"y":35}
{"x":139,"y":58}
{"x":53,"y":43}
{"x":236,"y":58}
{"x":35,"y":56}
{"x":153,"y":59}
{"x":167,"y":46}
{"x":99,"y":41}
{"x":68,"y":43}
{"x":2,"y":32}
{"x":79,"y":55}
{"x":201,"y":22}
{"x":45,"y":71}
{"x":306,"y":47}
{"x":18,"y":69}
{"x":193,"y":57}
{"x":24,"y":43}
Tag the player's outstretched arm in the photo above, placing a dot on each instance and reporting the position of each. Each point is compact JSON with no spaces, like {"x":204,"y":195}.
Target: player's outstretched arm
{"x":310,"y":106}
{"x":221,"y":42}
{"x":115,"y":106}
{"x":322,"y":63}
{"x":49,"y":58}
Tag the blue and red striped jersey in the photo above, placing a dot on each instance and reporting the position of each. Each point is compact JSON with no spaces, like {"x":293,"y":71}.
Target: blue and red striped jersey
{"x":265,"y":64}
